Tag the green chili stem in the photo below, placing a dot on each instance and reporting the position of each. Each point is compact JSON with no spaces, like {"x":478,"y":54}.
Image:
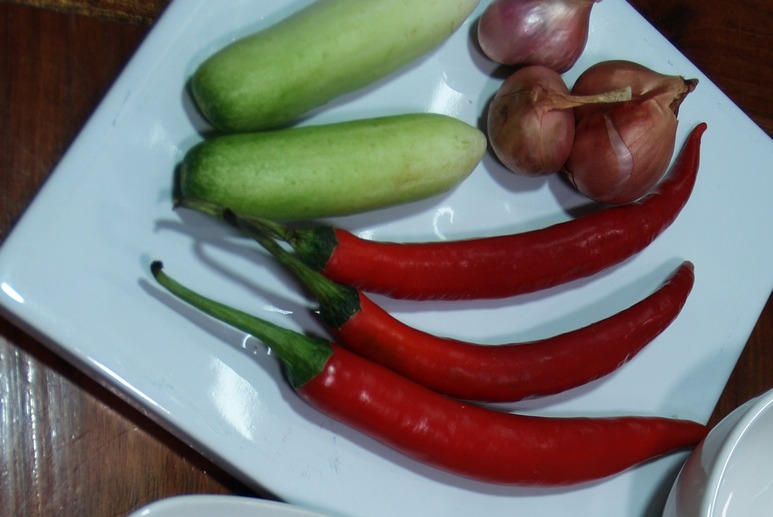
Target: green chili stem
{"x":304,"y":357}
{"x":272,"y":228}
{"x":338,"y":302}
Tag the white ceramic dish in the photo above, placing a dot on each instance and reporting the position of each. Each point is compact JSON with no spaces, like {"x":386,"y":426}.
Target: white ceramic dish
{"x":730,"y":474}
{"x":219,"y":505}
{"x":75,"y":273}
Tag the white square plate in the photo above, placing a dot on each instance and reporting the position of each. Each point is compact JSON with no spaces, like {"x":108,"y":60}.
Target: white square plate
{"x":75,"y":272}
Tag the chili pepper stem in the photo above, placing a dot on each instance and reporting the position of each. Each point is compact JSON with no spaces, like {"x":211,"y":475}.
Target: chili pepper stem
{"x":267,"y":227}
{"x":315,"y":245}
{"x":338,"y":302}
{"x":304,"y":357}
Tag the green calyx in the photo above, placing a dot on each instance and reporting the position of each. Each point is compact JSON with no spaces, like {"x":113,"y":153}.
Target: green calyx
{"x":303,"y":357}
{"x":338,"y":303}
{"x":313,"y":247}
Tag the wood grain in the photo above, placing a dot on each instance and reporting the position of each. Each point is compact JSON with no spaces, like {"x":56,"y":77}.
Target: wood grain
{"x":731,"y":43}
{"x":137,"y":12}
{"x":70,"y":447}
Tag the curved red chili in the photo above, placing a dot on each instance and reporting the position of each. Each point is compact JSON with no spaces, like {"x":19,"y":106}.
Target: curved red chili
{"x":484,"y":444}
{"x":515,"y":371}
{"x":491,"y":373}
{"x":507,"y":265}
{"x":458,"y":437}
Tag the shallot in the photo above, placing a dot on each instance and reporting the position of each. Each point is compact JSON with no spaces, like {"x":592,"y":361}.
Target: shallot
{"x":531,"y":123}
{"x":551,"y":33}
{"x":621,"y":151}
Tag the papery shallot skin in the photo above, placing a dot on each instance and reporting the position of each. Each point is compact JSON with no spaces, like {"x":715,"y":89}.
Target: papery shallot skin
{"x":552,"y":33}
{"x":644,"y":82}
{"x":621,"y":151}
{"x":526,"y":132}
{"x":605,"y":163}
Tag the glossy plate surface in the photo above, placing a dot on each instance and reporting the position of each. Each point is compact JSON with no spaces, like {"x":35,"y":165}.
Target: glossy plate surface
{"x":75,"y":272}
{"x":214,"y":506}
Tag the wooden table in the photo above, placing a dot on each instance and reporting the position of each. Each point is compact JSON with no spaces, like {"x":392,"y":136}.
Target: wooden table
{"x":67,"y":446}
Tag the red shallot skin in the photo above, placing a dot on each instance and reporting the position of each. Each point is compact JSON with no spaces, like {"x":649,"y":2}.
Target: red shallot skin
{"x":552,"y":33}
{"x":644,"y":82}
{"x":608,"y":162}
{"x":621,"y":151}
{"x":526,"y":132}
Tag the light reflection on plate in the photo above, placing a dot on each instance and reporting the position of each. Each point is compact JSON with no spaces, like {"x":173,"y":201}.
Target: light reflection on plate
{"x":218,"y":506}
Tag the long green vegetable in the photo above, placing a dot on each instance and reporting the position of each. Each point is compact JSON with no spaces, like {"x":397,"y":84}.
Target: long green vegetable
{"x":333,"y":169}
{"x":327,"y":49}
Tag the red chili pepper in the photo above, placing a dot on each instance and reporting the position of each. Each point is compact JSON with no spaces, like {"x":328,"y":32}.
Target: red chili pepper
{"x":461,"y":438}
{"x":491,"y":373}
{"x":515,"y":371}
{"x":501,"y":266}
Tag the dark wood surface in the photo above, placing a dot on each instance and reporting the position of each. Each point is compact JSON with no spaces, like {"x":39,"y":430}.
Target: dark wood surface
{"x":67,"y":446}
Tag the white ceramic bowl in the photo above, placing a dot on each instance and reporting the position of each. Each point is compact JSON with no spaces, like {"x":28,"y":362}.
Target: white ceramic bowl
{"x":730,"y":474}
